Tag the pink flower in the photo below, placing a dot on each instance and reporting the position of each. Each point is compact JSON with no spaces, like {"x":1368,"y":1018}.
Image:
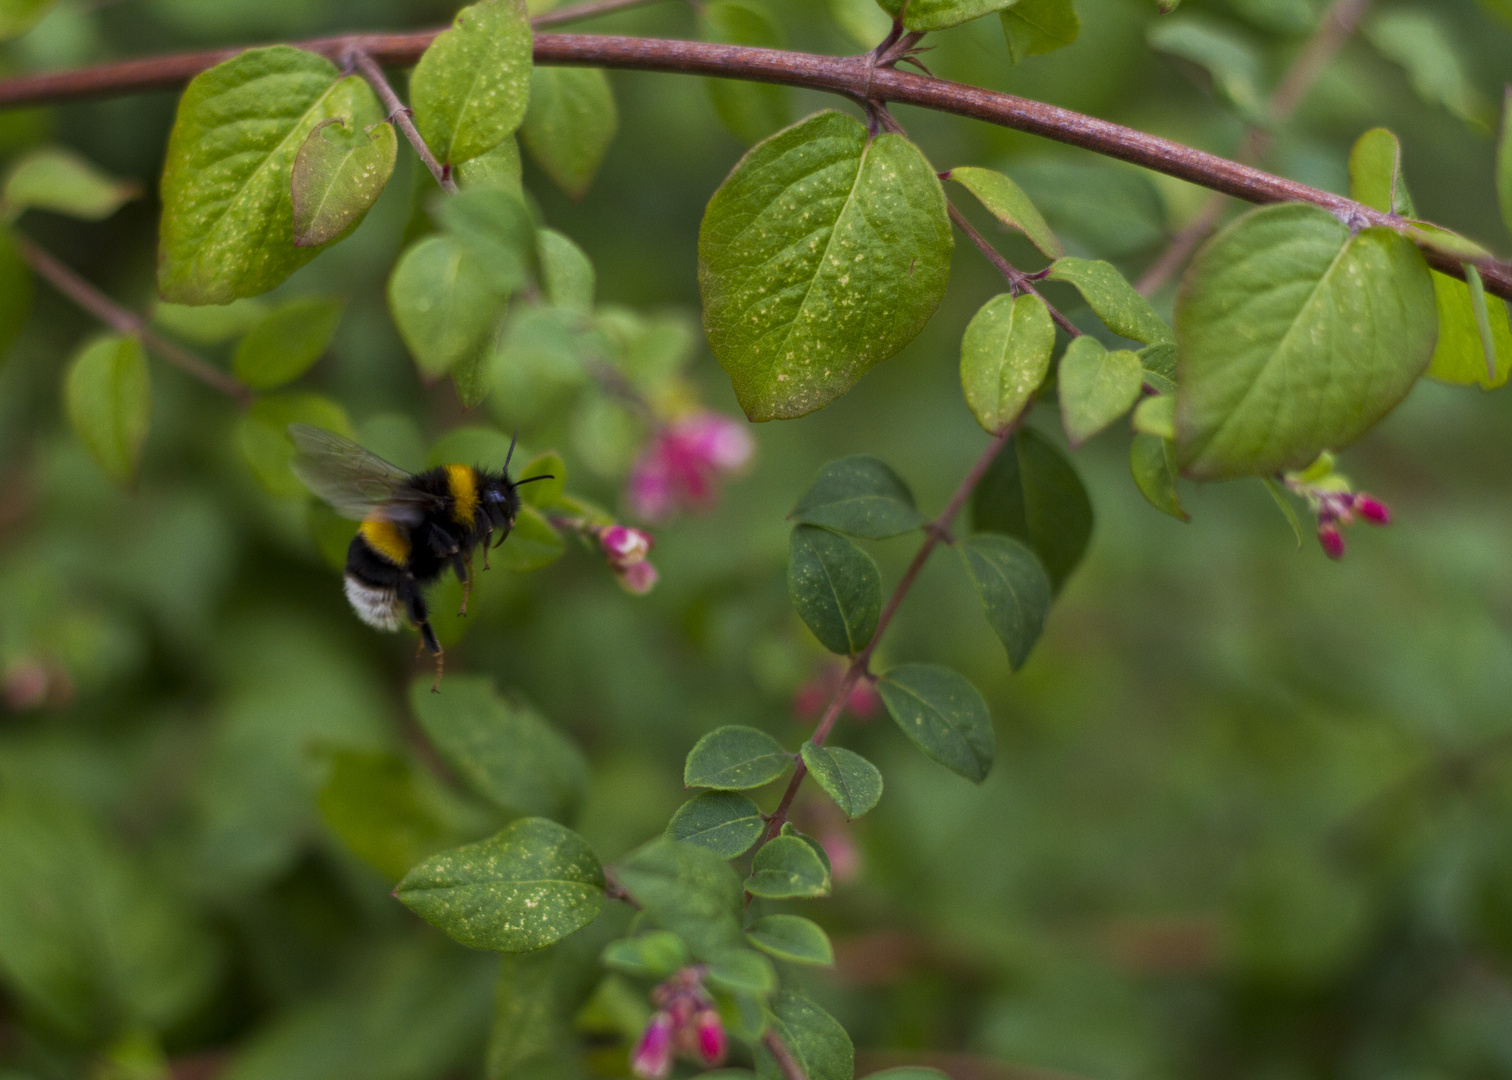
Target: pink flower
{"x":810,"y":699}
{"x":638,"y":578}
{"x":1372,"y":509}
{"x":624,"y":546}
{"x":653,"y":1055}
{"x":711,"y":1037}
{"x":681,"y":467}
{"x":1331,"y":539}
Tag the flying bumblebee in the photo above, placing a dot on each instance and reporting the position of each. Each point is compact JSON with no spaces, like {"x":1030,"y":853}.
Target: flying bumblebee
{"x":414,"y":525}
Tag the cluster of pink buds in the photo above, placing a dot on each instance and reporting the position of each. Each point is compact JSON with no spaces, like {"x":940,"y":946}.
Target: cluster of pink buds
{"x":1338,"y":509}
{"x":682,"y":466}
{"x":627,"y":550}
{"x":685,"y":1024}
{"x":810,"y":699}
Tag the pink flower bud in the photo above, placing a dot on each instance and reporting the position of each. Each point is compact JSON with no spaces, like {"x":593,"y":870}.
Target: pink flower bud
{"x":864,"y":701}
{"x":723,"y":443}
{"x":1372,"y":510}
{"x":653,"y":1055}
{"x":711,"y":1037}
{"x":624,"y":546}
{"x":1332,"y":540}
{"x":844,"y":856}
{"x":638,"y":578}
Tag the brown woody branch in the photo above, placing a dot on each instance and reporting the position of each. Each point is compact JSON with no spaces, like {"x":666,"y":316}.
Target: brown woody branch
{"x":854,"y":77}
{"x":399,"y":114}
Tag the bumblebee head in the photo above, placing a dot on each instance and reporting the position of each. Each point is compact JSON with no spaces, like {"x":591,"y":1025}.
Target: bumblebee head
{"x":500,"y":499}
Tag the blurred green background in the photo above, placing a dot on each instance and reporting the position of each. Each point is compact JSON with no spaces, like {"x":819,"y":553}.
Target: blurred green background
{"x":1252,"y":811}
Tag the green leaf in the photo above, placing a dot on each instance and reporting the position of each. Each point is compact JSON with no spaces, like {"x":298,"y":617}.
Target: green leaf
{"x":1014,"y":589}
{"x":1375,"y":174}
{"x":19,"y":16}
{"x":1109,"y":294}
{"x":1156,"y":416}
{"x":786,"y":868}
{"x":725,"y":822}
{"x":1295,"y":336}
{"x":1504,"y":162}
{"x":860,"y":21}
{"x":338,"y":174}
{"x":283,"y":345}
{"x":743,"y":972}
{"x":15,"y":292}
{"x":108,"y":393}
{"x":536,"y":997}
{"x":1007,"y":202}
{"x":654,"y":954}
{"x":1096,"y":387}
{"x":263,"y":437}
{"x":499,"y":168}
{"x":443,"y":302}
{"x":943,"y":714}
{"x":848,"y":778}
{"x":835,"y":587}
{"x":57,"y":179}
{"x":824,"y":253}
{"x":567,"y":274}
{"x":543,"y":494}
{"x":1460,"y":355}
{"x":1217,"y":59}
{"x":1033,"y":493}
{"x":503,"y":751}
{"x":532,"y":884}
{"x":570,"y":123}
{"x":380,"y":808}
{"x":1419,"y":41}
{"x":688,"y":890}
{"x":792,"y":938}
{"x":1036,"y":27}
{"x":496,"y":228}
{"x":941,"y":14}
{"x":1152,"y":462}
{"x":536,"y":362}
{"x":751,"y":111}
{"x":228,"y":216}
{"x":1005,"y":356}
{"x":860,"y":496}
{"x":734,"y":758}
{"x":210,"y":324}
{"x":1289,"y":512}
{"x":1110,"y":208}
{"x":1159,"y":362}
{"x":470,"y":88}
{"x":814,"y":1037}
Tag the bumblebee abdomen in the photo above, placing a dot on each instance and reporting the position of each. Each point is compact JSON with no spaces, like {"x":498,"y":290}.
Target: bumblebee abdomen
{"x":377,"y":605}
{"x":389,"y":540}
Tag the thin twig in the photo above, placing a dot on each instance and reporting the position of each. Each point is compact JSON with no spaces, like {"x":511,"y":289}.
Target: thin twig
{"x":125,"y":321}
{"x":1019,"y":281}
{"x":1337,"y":27}
{"x":400,"y":114}
{"x":791,"y":1070}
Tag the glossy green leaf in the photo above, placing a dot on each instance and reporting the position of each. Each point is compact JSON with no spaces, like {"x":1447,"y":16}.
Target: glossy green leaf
{"x":471,"y":87}
{"x":1007,"y":202}
{"x":815,"y":1039}
{"x":228,"y":216}
{"x":108,"y":394}
{"x":1460,"y":355}
{"x":734,"y":758}
{"x":1504,"y":163}
{"x":19,"y":16}
{"x":443,"y":303}
{"x":1096,"y":387}
{"x":1014,"y":590}
{"x":1296,"y":336}
{"x":283,"y":345}
{"x":787,"y":868}
{"x":57,"y":179}
{"x":943,"y":714}
{"x":824,"y":253}
{"x":941,"y":14}
{"x":1159,"y":362}
{"x":1005,"y":356}
{"x":1418,"y":40}
{"x":15,"y":292}
{"x":1037,"y":27}
{"x":743,"y":972}
{"x":1375,"y":173}
{"x":567,"y":274}
{"x":1109,"y":294}
{"x":860,"y":496}
{"x":1152,"y":462}
{"x":382,"y":810}
{"x":495,"y":227}
{"x":1033,"y":493}
{"x":338,"y":174}
{"x":502,"y":750}
{"x":725,"y":822}
{"x":569,"y":125}
{"x":835,"y":587}
{"x":210,"y":324}
{"x":792,"y":938}
{"x":1218,"y":59}
{"x":1156,"y":416}
{"x":750,"y":110}
{"x":845,"y":776}
{"x":654,"y":954}
{"x":532,"y":884}
{"x":688,"y":890}
{"x":262,"y":435}
{"x":499,"y":168}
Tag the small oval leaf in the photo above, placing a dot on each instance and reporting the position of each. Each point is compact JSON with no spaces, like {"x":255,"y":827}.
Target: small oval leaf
{"x":1014,"y":590}
{"x":835,"y":587}
{"x":1096,"y":387}
{"x":285,"y":342}
{"x":1007,"y":202}
{"x":443,"y":303}
{"x":792,"y":938}
{"x":1033,"y":493}
{"x":787,"y":868}
{"x":943,"y":714}
{"x":338,"y":175}
{"x":734,"y":758}
{"x":859,"y":496}
{"x":1109,"y":294}
{"x":109,"y":397}
{"x":725,"y":822}
{"x":1005,"y":356}
{"x":570,"y":123}
{"x":470,"y":88}
{"x":57,"y":179}
{"x":847,"y":777}
{"x":1152,"y":462}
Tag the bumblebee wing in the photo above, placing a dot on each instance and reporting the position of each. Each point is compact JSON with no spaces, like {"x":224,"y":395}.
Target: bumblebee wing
{"x":353,"y":480}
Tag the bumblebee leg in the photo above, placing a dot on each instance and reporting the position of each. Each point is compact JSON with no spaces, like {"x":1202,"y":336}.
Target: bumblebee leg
{"x":443,"y":543}
{"x":463,"y":565}
{"x":486,"y":538}
{"x":420,"y":615}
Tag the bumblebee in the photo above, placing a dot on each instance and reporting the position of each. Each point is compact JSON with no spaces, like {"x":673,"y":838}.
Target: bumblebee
{"x":414,"y":525}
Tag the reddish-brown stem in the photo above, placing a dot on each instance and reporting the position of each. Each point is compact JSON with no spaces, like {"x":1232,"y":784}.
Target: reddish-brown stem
{"x":125,"y":321}
{"x":399,"y":113}
{"x":791,"y":1069}
{"x":934,"y":532}
{"x":1019,"y":281}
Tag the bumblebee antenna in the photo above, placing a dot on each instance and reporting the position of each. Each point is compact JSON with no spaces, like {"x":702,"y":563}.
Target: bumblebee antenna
{"x":507,"y":457}
{"x":533,"y":479}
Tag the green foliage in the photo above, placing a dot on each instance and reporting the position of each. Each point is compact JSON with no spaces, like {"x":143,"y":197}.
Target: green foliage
{"x":1007,"y":202}
{"x":735,"y":758}
{"x":1417,"y":40}
{"x":527,"y":887}
{"x":471,"y":87}
{"x":1278,"y":300}
{"x":815,"y":1038}
{"x":282,"y":345}
{"x":688,"y":890}
{"x":1152,"y":463}
{"x":385,"y":811}
{"x":824,"y":253}
{"x":1014,"y":590}
{"x":943,"y":714}
{"x":1110,"y":295}
{"x":19,"y":16}
{"x":1460,"y":354}
{"x":845,"y":776}
{"x":859,"y":496}
{"x":751,"y":111}
{"x":1037,"y":27}
{"x":836,"y":588}
{"x":1375,"y":173}
{"x":1096,"y":387}
{"x":1032,"y":492}
{"x":228,"y":215}
{"x":109,"y":398}
{"x":940,"y":14}
{"x":743,"y":972}
{"x":654,"y":954}
{"x":792,"y":938}
{"x":566,"y":273}
{"x":1221,"y":61}
{"x":1504,"y":166}
{"x":338,"y":175}
{"x":725,"y":822}
{"x":1005,"y":356}
{"x":569,"y":125}
{"x":787,"y":867}
{"x":443,"y":301}
{"x":55,"y":178}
